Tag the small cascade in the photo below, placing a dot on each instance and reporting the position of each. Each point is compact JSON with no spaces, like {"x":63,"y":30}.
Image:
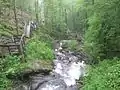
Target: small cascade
{"x":29,"y":27}
{"x":67,"y":69}
{"x":28,"y":30}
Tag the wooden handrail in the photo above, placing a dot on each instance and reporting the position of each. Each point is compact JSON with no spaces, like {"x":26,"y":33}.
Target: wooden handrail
{"x":22,"y":38}
{"x":7,"y":45}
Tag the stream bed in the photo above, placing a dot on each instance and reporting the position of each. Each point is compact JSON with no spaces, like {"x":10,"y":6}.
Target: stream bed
{"x":68,"y":68}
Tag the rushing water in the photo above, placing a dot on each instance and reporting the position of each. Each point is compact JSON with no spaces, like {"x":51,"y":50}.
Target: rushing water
{"x":29,"y":27}
{"x":67,"y":69}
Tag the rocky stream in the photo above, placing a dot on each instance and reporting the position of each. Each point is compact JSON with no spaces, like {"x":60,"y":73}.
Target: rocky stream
{"x":68,"y":68}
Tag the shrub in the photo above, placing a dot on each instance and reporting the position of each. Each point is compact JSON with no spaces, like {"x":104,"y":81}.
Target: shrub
{"x":72,"y":45}
{"x":104,"y":76}
{"x":36,"y":49}
{"x":9,"y":65}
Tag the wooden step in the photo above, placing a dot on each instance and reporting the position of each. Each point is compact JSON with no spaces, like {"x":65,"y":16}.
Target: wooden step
{"x":14,"y":50}
{"x":15,"y":53}
{"x":14,"y":47}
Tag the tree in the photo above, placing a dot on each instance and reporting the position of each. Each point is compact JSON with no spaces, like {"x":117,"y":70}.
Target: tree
{"x":37,"y":10}
{"x":15,"y":14}
{"x":102,"y":35}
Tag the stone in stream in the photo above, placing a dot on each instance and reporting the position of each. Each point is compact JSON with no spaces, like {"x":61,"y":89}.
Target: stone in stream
{"x":36,"y":83}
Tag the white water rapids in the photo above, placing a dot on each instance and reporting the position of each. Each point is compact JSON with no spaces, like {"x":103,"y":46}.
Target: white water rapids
{"x":72,"y":73}
{"x":69,"y":68}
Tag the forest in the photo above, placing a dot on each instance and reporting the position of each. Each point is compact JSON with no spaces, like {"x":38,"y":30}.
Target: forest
{"x":37,"y":34}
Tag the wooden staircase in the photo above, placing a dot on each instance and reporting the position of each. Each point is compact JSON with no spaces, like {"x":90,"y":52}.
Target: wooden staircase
{"x":12,"y":45}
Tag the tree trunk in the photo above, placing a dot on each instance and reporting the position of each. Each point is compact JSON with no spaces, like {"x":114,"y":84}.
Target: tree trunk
{"x":93,"y":2}
{"x":15,"y":14}
{"x":36,"y":11}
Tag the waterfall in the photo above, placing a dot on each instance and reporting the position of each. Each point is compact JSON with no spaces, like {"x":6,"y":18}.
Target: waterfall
{"x":27,"y":29}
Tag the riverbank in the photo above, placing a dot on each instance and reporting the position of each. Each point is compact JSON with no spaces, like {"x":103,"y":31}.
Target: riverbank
{"x":103,"y":76}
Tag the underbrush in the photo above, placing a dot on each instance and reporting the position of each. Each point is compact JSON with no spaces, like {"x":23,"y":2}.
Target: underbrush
{"x":104,"y":76}
{"x":6,"y":29}
{"x":38,"y":50}
{"x":9,"y":65}
{"x":72,"y":45}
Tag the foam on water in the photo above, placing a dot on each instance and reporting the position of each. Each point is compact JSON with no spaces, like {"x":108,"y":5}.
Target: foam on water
{"x":50,"y":87}
{"x":68,"y":67}
{"x":28,"y":30}
{"x":74,"y":72}
{"x":58,"y":69}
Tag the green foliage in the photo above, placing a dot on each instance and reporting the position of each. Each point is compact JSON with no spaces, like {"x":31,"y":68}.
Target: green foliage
{"x":42,"y":35}
{"x":4,"y":82}
{"x":72,"y":45}
{"x":91,"y":42}
{"x":9,"y":65}
{"x":35,"y":50}
{"x":61,"y":18}
{"x":5,"y":29}
{"x":104,"y":76}
{"x":102,"y":34}
{"x":39,"y":50}
{"x":4,"y":3}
